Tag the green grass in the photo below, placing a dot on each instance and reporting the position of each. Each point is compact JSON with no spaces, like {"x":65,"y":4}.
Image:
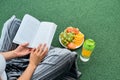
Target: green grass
{"x":97,"y":19}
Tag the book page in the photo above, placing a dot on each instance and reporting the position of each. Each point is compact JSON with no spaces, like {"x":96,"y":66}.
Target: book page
{"x":27,"y":30}
{"x":45,"y":33}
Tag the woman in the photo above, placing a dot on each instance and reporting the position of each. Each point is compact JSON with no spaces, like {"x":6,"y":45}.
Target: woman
{"x":58,"y":63}
{"x":36,"y":56}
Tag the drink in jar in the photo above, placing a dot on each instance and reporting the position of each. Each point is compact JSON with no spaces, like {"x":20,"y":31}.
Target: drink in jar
{"x":87,"y":50}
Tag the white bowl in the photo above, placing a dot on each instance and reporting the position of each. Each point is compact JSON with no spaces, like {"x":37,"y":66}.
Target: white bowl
{"x":66,"y":46}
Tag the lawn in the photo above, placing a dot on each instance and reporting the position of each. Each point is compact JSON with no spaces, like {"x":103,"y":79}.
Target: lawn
{"x":97,"y":19}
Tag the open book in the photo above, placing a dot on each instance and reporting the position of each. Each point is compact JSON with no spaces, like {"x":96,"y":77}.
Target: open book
{"x":35,"y":32}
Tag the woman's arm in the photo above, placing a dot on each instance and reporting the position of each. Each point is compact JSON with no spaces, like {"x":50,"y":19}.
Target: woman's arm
{"x":35,"y":58}
{"x":8,"y":55}
{"x":21,"y":50}
{"x":28,"y":73}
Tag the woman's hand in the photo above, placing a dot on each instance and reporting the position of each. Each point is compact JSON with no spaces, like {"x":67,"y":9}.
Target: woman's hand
{"x":36,"y":57}
{"x":38,"y":54}
{"x":22,"y":50}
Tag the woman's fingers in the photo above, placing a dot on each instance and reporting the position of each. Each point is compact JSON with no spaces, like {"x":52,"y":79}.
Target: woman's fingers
{"x":38,"y":54}
{"x":33,"y":50}
{"x":38,"y":49}
{"x":45,"y":50}
{"x":25,"y":44}
{"x":41,"y":50}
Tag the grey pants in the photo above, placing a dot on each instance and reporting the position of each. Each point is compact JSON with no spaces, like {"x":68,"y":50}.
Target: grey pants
{"x":59,"y":64}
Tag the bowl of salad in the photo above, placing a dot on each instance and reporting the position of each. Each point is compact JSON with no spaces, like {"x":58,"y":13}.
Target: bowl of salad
{"x":71,"y":38}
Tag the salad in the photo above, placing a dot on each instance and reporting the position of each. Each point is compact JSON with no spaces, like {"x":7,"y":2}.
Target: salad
{"x":71,"y":38}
